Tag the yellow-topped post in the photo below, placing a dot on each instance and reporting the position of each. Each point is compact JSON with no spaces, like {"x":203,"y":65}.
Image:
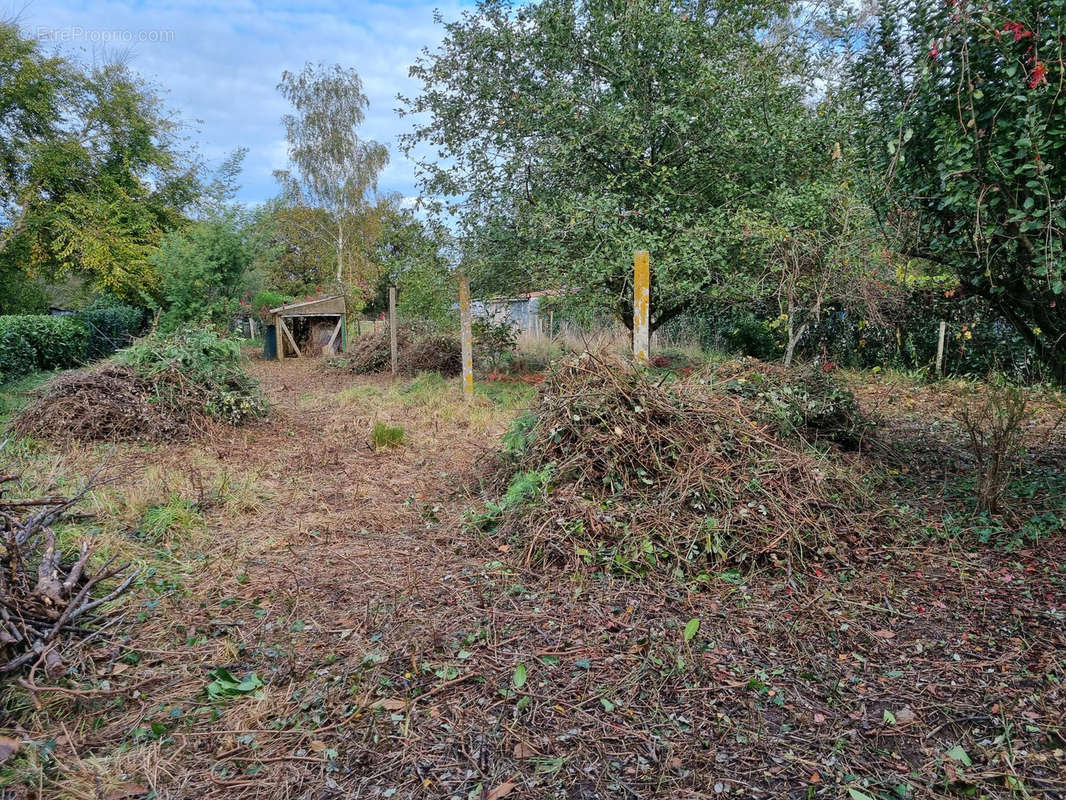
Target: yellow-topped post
{"x":467,"y":341}
{"x":641,"y":305}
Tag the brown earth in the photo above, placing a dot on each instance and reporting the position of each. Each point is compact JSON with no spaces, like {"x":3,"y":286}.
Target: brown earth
{"x":403,"y":657}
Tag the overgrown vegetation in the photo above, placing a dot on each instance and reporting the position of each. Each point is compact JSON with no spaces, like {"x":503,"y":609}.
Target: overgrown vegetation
{"x":160,"y":387}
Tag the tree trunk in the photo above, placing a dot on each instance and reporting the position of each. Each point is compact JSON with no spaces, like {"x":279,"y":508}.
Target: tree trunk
{"x":340,"y":251}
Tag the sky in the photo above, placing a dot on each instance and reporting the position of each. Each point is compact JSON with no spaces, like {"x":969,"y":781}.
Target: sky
{"x":218,"y":64}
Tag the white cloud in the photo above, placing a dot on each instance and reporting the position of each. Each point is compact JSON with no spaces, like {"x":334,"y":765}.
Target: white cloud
{"x":219,"y":63}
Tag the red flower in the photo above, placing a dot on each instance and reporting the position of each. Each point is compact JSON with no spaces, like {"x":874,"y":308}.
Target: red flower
{"x":1018,"y":30}
{"x":935,"y":51}
{"x":1038,"y":75}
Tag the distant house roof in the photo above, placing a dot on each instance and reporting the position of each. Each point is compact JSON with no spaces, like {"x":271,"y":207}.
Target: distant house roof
{"x":323,"y":304}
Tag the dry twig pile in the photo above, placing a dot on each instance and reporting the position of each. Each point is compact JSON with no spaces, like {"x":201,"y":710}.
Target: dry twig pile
{"x":108,"y":404}
{"x":47,"y":602}
{"x":613,"y":467}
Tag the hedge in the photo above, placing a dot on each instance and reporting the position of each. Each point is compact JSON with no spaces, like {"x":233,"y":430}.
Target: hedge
{"x":52,"y":342}
{"x":112,"y":326}
{"x":17,"y":357}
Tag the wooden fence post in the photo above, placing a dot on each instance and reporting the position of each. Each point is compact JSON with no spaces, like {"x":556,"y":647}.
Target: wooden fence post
{"x":940,"y":349}
{"x":392,"y":331}
{"x":641,"y":305}
{"x":467,"y":337}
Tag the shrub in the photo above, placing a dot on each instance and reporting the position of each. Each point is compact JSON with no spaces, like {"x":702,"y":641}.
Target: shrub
{"x":56,"y":342}
{"x":260,"y":305}
{"x":17,"y":357}
{"x":494,"y":342}
{"x":112,"y":325}
{"x":993,"y":429}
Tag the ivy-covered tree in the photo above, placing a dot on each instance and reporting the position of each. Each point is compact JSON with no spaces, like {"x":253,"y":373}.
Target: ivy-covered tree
{"x":564,"y":134}
{"x":966,"y":123}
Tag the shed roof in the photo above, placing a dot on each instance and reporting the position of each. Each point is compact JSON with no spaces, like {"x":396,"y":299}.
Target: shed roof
{"x":325,"y":304}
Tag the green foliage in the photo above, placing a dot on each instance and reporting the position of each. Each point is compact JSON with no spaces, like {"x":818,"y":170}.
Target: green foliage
{"x":197,"y":368}
{"x":112,"y":325}
{"x":202,"y":269}
{"x":91,"y":172}
{"x":53,"y":342}
{"x":494,"y":342}
{"x":525,"y":489}
{"x":17,"y":356}
{"x":571,"y":132}
{"x":224,"y":686}
{"x":964,"y":114}
{"x":265,"y":300}
{"x":383,"y":435}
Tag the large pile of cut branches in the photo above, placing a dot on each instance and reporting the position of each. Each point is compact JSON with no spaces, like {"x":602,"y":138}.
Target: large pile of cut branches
{"x":418,"y":351}
{"x":48,"y":599}
{"x":159,"y":388}
{"x":614,"y":469}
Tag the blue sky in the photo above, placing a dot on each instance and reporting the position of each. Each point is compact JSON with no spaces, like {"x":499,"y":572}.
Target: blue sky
{"x":218,"y":63}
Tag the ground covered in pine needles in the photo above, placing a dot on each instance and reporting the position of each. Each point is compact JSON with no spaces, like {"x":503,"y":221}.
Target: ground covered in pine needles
{"x":320,"y":618}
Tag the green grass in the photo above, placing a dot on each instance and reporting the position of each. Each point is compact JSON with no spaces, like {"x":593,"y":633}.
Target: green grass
{"x":506,"y":394}
{"x":386,"y":435}
{"x":14,"y":395}
{"x":174,"y":518}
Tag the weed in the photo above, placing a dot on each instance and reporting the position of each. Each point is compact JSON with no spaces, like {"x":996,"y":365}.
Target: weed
{"x":384,"y":435}
{"x":993,"y":427}
{"x":176,"y":517}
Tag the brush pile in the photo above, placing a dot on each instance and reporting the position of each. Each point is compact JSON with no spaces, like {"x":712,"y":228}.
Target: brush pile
{"x":807,"y":402}
{"x":418,"y":351}
{"x":612,"y":469}
{"x":162,"y":387}
{"x":48,"y":601}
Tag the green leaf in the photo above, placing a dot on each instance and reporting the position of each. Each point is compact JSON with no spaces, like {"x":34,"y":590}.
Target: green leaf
{"x":956,"y":753}
{"x":889,"y":717}
{"x":519,"y":677}
{"x":691,"y":629}
{"x":857,"y":795}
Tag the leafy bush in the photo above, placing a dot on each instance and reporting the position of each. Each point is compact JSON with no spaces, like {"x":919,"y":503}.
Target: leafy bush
{"x":197,"y":368}
{"x":17,"y":357}
{"x":260,"y":305}
{"x":56,"y":342}
{"x":494,"y":342}
{"x":112,"y":325}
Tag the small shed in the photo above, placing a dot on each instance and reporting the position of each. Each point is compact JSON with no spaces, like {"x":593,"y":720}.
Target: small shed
{"x":313,"y":327}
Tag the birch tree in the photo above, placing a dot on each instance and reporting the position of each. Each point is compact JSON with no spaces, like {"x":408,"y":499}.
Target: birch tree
{"x":331,"y":166}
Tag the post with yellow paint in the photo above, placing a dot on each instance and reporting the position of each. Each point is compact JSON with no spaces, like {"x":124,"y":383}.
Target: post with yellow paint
{"x":393,"y":347}
{"x":467,"y":337}
{"x":641,"y":306}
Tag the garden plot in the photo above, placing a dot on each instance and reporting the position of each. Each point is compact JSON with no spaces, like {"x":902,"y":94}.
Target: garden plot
{"x":319,"y":616}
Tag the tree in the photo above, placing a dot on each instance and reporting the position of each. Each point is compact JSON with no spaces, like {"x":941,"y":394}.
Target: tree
{"x":92,"y":173}
{"x":203,"y":269}
{"x":333,"y":169}
{"x":411,"y":253}
{"x":571,"y":132}
{"x":965,"y":109}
